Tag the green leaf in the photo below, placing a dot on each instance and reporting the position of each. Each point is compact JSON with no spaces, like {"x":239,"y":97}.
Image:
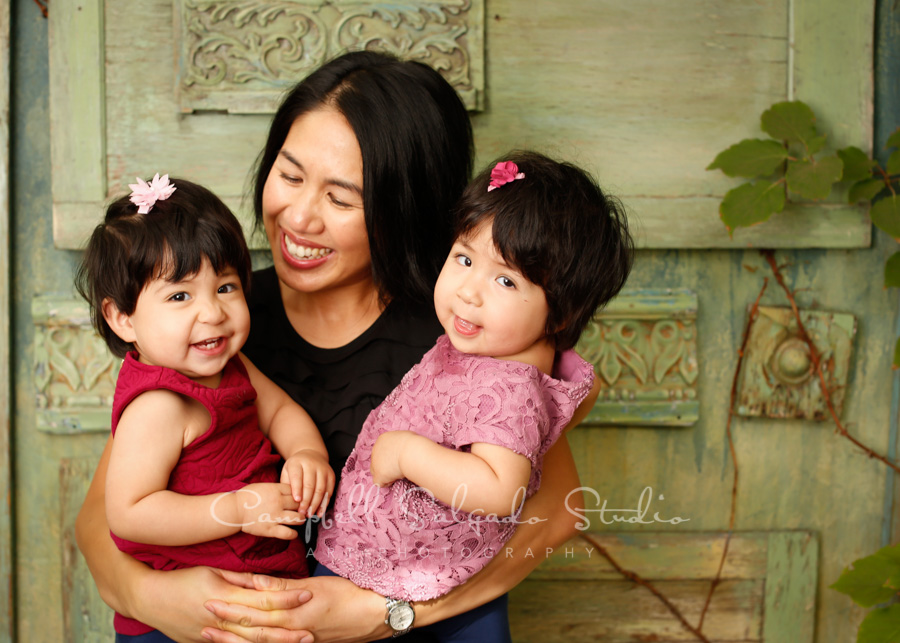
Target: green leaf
{"x":893,"y":164}
{"x":813,"y":179}
{"x":865,"y":580}
{"x":892,"y":271}
{"x":857,"y":164}
{"x":750,"y":158}
{"x":865,"y":190}
{"x":897,"y":354}
{"x":886,"y":215}
{"x":791,"y":121}
{"x":893,"y":139}
{"x":750,"y":204}
{"x":880,"y":626}
{"x":816,"y":144}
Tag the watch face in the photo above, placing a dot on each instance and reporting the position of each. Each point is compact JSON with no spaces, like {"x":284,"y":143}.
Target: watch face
{"x":401,"y":617}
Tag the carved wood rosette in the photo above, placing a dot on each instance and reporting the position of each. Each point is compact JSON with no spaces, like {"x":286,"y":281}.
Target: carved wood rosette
{"x":778,"y":379}
{"x":241,"y":55}
{"x":74,"y":372}
{"x":644,"y":349}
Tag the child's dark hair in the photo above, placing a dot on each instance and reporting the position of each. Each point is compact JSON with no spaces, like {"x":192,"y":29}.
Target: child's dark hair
{"x":128,"y":250}
{"x":559,"y":230}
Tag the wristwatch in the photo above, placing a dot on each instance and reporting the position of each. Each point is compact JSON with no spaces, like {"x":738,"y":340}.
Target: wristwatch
{"x":400,"y":616}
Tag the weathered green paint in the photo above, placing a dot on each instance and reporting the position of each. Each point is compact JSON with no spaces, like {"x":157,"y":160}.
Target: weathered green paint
{"x":74,"y":372}
{"x":85,"y":616}
{"x":793,"y":474}
{"x":710,"y":69}
{"x":77,"y":63}
{"x":791,"y":587}
{"x":778,"y":377}
{"x":767,"y":591}
{"x":217,"y":70}
{"x":7,"y":615}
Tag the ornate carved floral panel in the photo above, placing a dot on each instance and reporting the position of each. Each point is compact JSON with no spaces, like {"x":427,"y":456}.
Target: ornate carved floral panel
{"x":643,"y":347}
{"x":240,"y":55}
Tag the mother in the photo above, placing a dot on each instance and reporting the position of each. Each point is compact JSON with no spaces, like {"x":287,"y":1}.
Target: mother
{"x":354,"y":189}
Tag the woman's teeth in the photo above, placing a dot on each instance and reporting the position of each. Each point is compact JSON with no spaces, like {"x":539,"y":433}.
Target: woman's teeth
{"x":304,"y":252}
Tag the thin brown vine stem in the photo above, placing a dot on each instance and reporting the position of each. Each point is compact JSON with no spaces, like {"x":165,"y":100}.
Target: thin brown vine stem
{"x":754,"y":313}
{"x":769,"y":256}
{"x":633,"y":577}
{"x":42,"y":6}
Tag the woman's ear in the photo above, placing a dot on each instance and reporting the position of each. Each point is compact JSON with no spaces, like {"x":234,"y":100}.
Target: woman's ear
{"x":119,"y":322}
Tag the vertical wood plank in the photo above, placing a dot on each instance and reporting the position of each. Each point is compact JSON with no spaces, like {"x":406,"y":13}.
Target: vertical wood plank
{"x":77,"y":71}
{"x":791,"y":579}
{"x":86,"y":618}
{"x":7,"y":620}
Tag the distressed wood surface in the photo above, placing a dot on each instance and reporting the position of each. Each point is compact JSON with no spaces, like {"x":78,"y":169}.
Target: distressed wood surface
{"x":794,"y":474}
{"x":86,"y":618}
{"x":78,"y":99}
{"x":7,"y":622}
{"x":644,"y":94}
{"x":767,"y":593}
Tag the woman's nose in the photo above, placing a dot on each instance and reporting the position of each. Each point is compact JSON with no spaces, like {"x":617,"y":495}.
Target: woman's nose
{"x":305,"y":217}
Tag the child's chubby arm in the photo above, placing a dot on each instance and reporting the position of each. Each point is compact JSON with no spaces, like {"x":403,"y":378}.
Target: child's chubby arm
{"x":488,"y":480}
{"x":298,"y":441}
{"x":149,"y":438}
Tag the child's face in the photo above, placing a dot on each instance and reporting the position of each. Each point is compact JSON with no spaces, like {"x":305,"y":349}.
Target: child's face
{"x":193,"y":326}
{"x":488,"y":308}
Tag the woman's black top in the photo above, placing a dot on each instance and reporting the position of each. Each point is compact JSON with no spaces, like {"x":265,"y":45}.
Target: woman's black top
{"x":338,"y":387}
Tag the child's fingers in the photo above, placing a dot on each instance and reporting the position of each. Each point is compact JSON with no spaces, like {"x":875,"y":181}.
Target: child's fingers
{"x":317,"y":504}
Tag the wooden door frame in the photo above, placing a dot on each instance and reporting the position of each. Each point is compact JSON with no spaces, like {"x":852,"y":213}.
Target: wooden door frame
{"x":7,"y":619}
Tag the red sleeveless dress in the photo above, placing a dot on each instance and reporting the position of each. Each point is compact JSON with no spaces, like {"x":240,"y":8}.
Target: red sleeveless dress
{"x":231,"y":454}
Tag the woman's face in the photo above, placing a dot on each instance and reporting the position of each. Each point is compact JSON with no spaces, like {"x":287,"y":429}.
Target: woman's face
{"x":312,"y":206}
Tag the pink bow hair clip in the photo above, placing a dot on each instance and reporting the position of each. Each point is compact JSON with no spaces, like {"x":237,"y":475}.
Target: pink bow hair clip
{"x":145,"y":195}
{"x":504,"y":172}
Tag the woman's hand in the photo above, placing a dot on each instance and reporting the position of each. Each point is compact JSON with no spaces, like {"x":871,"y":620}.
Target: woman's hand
{"x":278,"y":610}
{"x":173,"y":601}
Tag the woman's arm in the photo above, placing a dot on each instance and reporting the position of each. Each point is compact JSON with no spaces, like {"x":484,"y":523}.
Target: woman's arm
{"x":170,"y":601}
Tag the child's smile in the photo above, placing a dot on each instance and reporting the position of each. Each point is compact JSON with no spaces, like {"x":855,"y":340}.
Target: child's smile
{"x":488,"y":308}
{"x":193,"y":326}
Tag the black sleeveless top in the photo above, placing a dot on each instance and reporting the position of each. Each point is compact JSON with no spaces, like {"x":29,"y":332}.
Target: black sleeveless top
{"x":338,"y":387}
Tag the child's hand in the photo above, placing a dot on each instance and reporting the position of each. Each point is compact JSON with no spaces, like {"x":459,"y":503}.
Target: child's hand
{"x":266,"y":508}
{"x":311,"y":480}
{"x":386,"y":457}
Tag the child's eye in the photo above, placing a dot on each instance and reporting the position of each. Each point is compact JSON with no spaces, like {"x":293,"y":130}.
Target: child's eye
{"x":506,"y":282}
{"x":227,"y":288}
{"x":463,"y":260}
{"x":180,"y":296}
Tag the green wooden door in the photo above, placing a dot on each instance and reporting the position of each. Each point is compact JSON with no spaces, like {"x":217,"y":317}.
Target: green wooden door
{"x":642,"y":93}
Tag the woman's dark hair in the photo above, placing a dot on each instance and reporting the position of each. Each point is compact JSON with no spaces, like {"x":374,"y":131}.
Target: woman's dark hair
{"x":416,"y":143}
{"x":559,"y":230}
{"x":128,"y":250}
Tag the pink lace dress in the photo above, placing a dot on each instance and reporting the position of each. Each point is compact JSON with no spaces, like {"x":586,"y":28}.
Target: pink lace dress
{"x":399,"y":540}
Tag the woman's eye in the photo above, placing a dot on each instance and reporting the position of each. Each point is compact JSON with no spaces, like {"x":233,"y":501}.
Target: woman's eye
{"x":227,"y":288}
{"x":463,"y":260}
{"x":180,"y":296}
{"x":506,"y":282}
{"x":293,"y":180}
{"x":338,"y":202}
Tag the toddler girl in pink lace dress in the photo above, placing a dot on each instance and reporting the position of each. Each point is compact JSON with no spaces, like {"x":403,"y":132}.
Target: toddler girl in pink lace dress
{"x":440,"y":471}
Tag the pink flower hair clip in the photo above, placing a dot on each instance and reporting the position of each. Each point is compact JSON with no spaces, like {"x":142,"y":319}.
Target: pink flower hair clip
{"x":504,"y":172}
{"x":145,"y":195}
